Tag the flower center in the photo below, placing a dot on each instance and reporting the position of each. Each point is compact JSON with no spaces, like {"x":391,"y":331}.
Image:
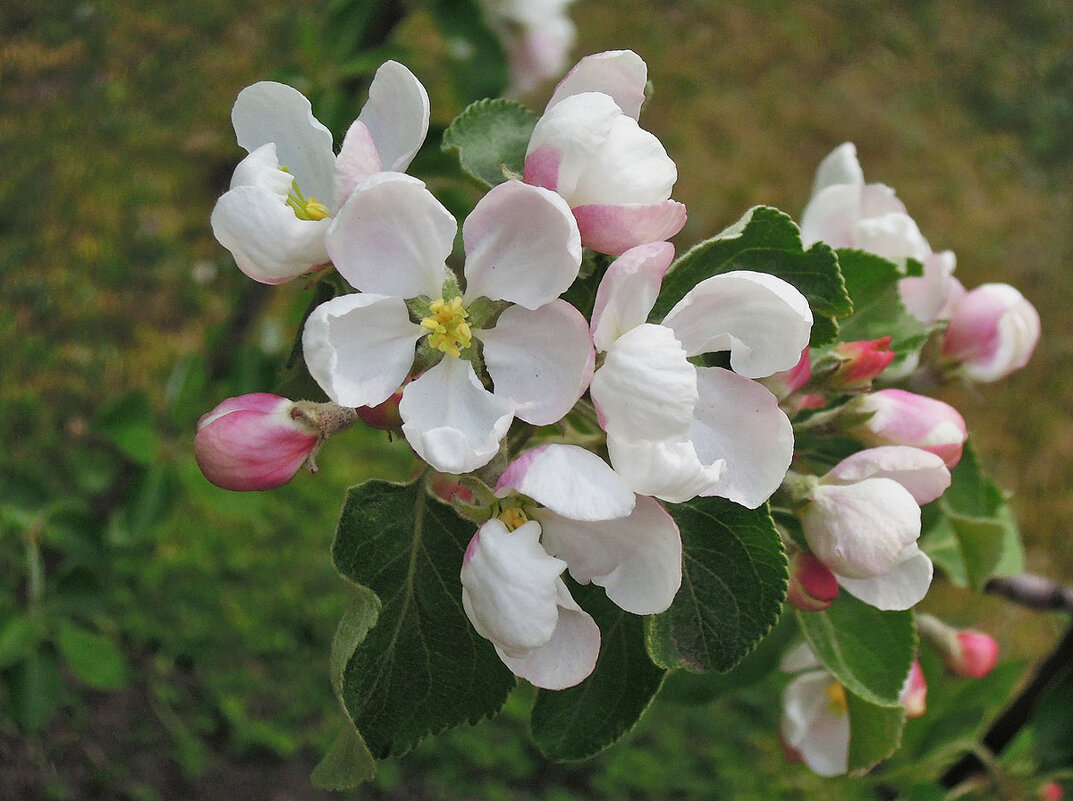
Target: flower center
{"x":306,"y":208}
{"x":448,"y":329}
{"x":836,"y":698}
{"x":513,"y":518}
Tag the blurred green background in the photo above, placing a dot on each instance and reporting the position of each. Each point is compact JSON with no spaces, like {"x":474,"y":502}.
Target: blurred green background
{"x":163,"y":639}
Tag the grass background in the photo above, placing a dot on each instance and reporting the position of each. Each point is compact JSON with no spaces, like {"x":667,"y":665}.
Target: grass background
{"x":116,"y":305}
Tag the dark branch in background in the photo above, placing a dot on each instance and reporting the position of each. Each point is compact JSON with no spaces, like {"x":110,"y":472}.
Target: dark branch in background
{"x":1034,"y":592}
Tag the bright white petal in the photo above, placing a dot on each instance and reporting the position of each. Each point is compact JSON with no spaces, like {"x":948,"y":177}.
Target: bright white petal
{"x":261,"y":168}
{"x":926,"y":297}
{"x":268,"y":242}
{"x":839,"y":167}
{"x":566,"y":139}
{"x":509,"y":587}
{"x":832,"y":214}
{"x":901,"y":588}
{"x":453,"y":422}
{"x":628,"y":291}
{"x":396,"y":115}
{"x":738,"y":421}
{"x":669,"y":469}
{"x":637,"y":559}
{"x":568,"y":657}
{"x":357,"y":160}
{"x":893,"y":236}
{"x":274,"y":112}
{"x":360,"y":347}
{"x":392,"y":237}
{"x":570,"y":481}
{"x":813,"y":725}
{"x":762,"y":320}
{"x":630,"y":167}
{"x":921,"y":472}
{"x":860,"y":530}
{"x":646,"y":388}
{"x":522,"y":245}
{"x":619,"y":73}
{"x":541,"y":360}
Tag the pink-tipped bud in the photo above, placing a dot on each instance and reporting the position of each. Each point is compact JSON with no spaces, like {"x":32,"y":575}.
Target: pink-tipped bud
{"x":975,"y":656}
{"x":384,"y":416}
{"x":812,"y":585}
{"x":785,"y":383}
{"x":446,"y":488}
{"x":253,"y":442}
{"x":915,"y":692}
{"x":993,"y":332}
{"x":898,"y":417}
{"x":860,"y":362}
{"x":1050,"y":791}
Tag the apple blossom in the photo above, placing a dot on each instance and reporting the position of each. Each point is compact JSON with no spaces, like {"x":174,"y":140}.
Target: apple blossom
{"x":914,"y":693}
{"x":563,"y":507}
{"x":992,"y":333}
{"x":588,"y":147}
{"x":537,"y":35}
{"x":277,"y":211}
{"x":675,"y":430}
{"x":862,"y":520}
{"x":897,"y":417}
{"x":390,"y":240}
{"x":859,"y":363}
{"x":815,"y":714}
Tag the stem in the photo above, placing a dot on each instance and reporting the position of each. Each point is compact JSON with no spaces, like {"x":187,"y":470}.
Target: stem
{"x":35,"y":570}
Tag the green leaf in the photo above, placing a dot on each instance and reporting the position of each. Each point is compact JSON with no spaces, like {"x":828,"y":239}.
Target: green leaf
{"x":875,"y":732}
{"x":128,"y":424}
{"x":422,"y":668}
{"x":872,"y":283}
{"x":581,"y":721}
{"x":36,"y":689}
{"x":491,"y":137}
{"x":765,"y":240}
{"x":347,"y":764}
{"x":868,"y":651}
{"x":733,"y":583}
{"x":18,"y":640}
{"x":92,"y":657}
{"x":1052,"y":721}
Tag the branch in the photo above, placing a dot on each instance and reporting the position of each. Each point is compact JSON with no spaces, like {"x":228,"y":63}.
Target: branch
{"x":1035,"y":592}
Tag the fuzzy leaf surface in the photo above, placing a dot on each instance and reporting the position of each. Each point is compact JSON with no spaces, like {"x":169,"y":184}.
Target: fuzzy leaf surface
{"x":491,"y":137}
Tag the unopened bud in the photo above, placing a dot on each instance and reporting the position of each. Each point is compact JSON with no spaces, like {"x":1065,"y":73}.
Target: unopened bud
{"x":812,"y":585}
{"x":253,"y":442}
{"x":859,"y":363}
{"x":993,"y":332}
{"x":1050,"y":791}
{"x":447,"y":488}
{"x":897,"y":417}
{"x":384,"y":416}
{"x":786,"y":382}
{"x":976,"y":657}
{"x":914,"y":694}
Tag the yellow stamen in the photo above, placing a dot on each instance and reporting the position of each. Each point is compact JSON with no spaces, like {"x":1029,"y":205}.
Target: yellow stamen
{"x":513,"y":518}
{"x":305,"y":208}
{"x":315,"y":210}
{"x":836,"y":697}
{"x":448,"y":329}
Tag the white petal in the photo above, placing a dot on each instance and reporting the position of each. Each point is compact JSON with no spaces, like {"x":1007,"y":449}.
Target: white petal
{"x":893,"y":236}
{"x":357,"y":160}
{"x":541,"y":360}
{"x":568,"y":657}
{"x":631,"y":166}
{"x":927,"y":296}
{"x":522,"y":245}
{"x":619,"y":73}
{"x":628,"y":291}
{"x":567,"y":138}
{"x":860,"y":530}
{"x":839,"y":167}
{"x":570,"y":481}
{"x":274,"y":112}
{"x":813,"y":726}
{"x":360,"y":347}
{"x":268,"y":242}
{"x":902,"y":587}
{"x":509,"y":587}
{"x":762,"y":320}
{"x":637,"y":559}
{"x":921,"y":472}
{"x":799,"y":658}
{"x":261,"y":168}
{"x":396,"y":115}
{"x":453,"y":422}
{"x":668,"y":469}
{"x":832,"y":214}
{"x":645,"y":388}
{"x":392,"y":237}
{"x":739,"y":421}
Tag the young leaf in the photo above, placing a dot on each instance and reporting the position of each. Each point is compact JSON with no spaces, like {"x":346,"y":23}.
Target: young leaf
{"x":868,"y":651}
{"x":92,"y":657}
{"x":128,"y":424}
{"x":347,"y":764}
{"x":875,"y":732}
{"x":581,"y":721}
{"x":765,"y":240}
{"x":491,"y":137}
{"x":733,"y":583}
{"x":422,"y":668}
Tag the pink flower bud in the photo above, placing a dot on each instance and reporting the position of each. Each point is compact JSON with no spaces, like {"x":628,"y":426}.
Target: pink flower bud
{"x":904,"y":418}
{"x":812,"y":585}
{"x":915,"y":692}
{"x":976,"y":655}
{"x":1050,"y":791}
{"x":783,"y":384}
{"x":862,"y":361}
{"x":993,"y":332}
{"x":252,"y":442}
{"x":446,"y":487}
{"x":384,"y":416}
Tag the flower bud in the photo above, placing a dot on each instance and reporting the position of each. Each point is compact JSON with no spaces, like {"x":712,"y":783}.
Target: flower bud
{"x":786,"y":382}
{"x":975,"y":657}
{"x":993,"y":332}
{"x":898,"y":417}
{"x":253,"y":442}
{"x":812,"y":585}
{"x":860,"y":362}
{"x":384,"y":416}
{"x":915,"y":692}
{"x":1050,"y":791}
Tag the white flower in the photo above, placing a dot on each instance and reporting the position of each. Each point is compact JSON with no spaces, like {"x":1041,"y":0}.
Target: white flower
{"x":588,"y":147}
{"x":390,"y":240}
{"x":845,"y":212}
{"x":275,"y":216}
{"x":863,"y":522}
{"x":587,"y":520}
{"x":674,"y":430}
{"x":993,"y":332}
